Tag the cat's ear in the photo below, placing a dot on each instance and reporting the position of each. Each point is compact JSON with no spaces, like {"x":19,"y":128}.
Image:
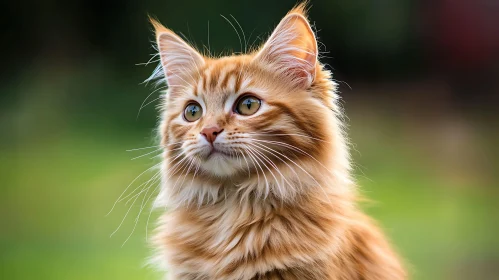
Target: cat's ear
{"x":177,"y":57}
{"x":292,"y":48}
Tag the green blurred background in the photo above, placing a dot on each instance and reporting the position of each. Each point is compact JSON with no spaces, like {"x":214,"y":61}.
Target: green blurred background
{"x":419,"y":81}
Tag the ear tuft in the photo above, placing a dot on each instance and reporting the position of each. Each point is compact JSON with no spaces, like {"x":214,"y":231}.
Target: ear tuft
{"x":178,"y":59}
{"x":300,"y":9}
{"x":158,"y":27}
{"x":292,"y":48}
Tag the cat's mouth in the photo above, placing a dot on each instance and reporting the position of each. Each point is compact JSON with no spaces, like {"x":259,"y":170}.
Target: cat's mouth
{"x":214,"y":152}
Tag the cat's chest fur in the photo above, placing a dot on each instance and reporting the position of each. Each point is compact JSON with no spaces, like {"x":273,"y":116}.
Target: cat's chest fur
{"x":246,"y":240}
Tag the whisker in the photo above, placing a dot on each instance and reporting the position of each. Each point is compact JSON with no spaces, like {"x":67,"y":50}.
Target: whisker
{"x":306,"y":172}
{"x":288,"y":134}
{"x":250,"y":153}
{"x":156,"y":146}
{"x":209,"y":48}
{"x":282,"y":144}
{"x":155,"y":151}
{"x":256,"y":145}
{"x":142,"y":105}
{"x":273,"y":152}
{"x":242,"y":31}
{"x":141,"y":185}
{"x":144,"y":202}
{"x":256,"y":169}
{"x":126,"y":214}
{"x":187,"y":172}
{"x":150,"y":181}
{"x":240,"y":42}
{"x":181,"y":167}
{"x":114,"y":205}
{"x":272,"y":164}
{"x":179,"y":155}
{"x":137,"y":149}
{"x":137,"y":217}
{"x":188,"y":163}
{"x":154,"y":100}
{"x":247,"y":165}
{"x":150,"y":212}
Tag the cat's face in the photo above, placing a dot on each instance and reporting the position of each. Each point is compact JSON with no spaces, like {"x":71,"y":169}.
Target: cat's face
{"x":237,"y":115}
{"x":244,"y":115}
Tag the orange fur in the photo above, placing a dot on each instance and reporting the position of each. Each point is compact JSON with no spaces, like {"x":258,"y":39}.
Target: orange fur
{"x":277,"y":202}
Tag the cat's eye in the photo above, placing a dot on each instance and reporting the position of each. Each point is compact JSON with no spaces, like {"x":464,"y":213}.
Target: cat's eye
{"x":193,"y":112}
{"x":247,"y":105}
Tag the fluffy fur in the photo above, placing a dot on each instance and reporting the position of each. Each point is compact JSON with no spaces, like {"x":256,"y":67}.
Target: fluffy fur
{"x":276,"y":200}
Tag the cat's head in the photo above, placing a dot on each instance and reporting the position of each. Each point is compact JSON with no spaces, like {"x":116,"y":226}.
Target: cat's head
{"x":265,"y":114}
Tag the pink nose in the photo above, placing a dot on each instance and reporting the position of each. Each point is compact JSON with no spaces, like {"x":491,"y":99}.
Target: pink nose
{"x":210,"y":133}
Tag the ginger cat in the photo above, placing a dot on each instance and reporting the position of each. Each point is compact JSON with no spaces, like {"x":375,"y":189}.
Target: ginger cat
{"x":256,"y":174}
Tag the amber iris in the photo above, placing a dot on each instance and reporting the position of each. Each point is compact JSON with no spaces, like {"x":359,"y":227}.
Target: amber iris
{"x":248,"y":105}
{"x":193,"y":112}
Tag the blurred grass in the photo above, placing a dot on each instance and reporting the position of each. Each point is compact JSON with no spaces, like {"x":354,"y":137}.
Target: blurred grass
{"x":55,"y":225}
{"x":57,"y":186}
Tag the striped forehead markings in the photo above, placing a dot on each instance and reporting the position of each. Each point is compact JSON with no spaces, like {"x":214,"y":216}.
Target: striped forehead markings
{"x":226,"y":77}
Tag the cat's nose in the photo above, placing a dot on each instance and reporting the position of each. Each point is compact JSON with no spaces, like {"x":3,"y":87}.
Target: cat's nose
{"x":210,"y":133}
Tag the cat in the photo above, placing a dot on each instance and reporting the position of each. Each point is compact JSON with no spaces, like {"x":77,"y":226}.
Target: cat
{"x":256,"y":171}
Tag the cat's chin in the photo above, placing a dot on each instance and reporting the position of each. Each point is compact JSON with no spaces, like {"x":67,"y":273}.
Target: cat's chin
{"x":220,"y":165}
